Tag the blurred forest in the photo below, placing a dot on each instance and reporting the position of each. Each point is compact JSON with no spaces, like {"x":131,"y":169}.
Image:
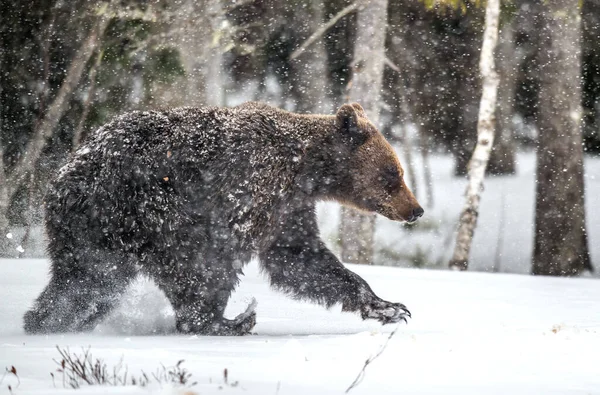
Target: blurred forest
{"x":69,"y":66}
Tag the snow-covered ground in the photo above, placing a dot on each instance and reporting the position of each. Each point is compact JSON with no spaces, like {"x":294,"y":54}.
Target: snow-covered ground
{"x":471,"y":333}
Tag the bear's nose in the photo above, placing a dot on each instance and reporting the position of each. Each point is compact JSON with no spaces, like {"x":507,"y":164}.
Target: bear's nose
{"x":415,"y":214}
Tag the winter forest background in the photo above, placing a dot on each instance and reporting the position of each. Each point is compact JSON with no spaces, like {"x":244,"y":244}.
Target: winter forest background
{"x":511,"y":87}
{"x":69,"y":66}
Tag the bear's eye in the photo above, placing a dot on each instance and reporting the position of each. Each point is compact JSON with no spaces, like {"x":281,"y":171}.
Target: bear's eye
{"x":391,"y":179}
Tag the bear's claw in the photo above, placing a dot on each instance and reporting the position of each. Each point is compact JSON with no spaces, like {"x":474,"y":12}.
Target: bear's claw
{"x":385,"y":312}
{"x":243,"y":323}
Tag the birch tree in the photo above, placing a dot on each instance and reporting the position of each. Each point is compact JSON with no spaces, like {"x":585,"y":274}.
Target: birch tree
{"x":357,"y":229}
{"x":485,"y":138}
{"x":560,"y":247}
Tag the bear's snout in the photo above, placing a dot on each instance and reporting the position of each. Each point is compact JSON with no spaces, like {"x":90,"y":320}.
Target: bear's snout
{"x":416,"y":214}
{"x":405,"y":206}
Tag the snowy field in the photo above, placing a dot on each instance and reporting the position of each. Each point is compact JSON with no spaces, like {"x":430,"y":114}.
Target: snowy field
{"x":471,"y":333}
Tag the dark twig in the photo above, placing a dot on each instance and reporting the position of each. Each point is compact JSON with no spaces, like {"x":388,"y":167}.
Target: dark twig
{"x":361,"y":375}
{"x":388,"y":62}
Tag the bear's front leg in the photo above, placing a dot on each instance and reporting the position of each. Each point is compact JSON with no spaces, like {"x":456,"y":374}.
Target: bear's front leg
{"x":306,"y":269}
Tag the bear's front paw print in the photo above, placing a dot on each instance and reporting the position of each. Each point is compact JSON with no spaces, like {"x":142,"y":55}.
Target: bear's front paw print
{"x":385,"y":312}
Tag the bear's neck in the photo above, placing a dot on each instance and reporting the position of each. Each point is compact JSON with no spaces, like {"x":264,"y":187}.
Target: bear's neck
{"x":318,"y":133}
{"x":313,"y":128}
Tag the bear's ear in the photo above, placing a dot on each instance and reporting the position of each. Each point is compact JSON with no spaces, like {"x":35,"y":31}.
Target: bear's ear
{"x":359,"y":110}
{"x":347,"y":122}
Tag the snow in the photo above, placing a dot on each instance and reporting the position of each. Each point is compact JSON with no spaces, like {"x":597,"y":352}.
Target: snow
{"x":471,"y":333}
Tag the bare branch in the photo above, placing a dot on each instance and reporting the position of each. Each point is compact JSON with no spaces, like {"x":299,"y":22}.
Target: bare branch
{"x":392,"y":65}
{"x":361,"y":375}
{"x":320,"y":31}
{"x":78,"y":134}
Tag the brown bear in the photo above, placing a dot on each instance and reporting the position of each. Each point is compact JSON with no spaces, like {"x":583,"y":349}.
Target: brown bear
{"x":188,"y":196}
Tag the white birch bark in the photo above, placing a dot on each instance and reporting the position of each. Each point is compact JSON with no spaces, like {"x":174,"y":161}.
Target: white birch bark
{"x":356,"y":229}
{"x":485,"y":139}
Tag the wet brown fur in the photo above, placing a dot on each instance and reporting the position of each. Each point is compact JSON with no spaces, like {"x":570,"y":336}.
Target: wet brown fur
{"x":187,"y":196}
{"x":370,"y":167}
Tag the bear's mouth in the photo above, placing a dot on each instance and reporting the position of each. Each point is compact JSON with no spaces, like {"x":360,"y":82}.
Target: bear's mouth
{"x":390,"y":213}
{"x":411,"y":220}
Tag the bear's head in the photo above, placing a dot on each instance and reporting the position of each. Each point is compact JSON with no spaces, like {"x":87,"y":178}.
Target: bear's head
{"x":367,"y":171}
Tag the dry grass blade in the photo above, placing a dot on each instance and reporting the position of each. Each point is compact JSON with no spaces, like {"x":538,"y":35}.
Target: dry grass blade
{"x":84,"y":369}
{"x":12,"y":371}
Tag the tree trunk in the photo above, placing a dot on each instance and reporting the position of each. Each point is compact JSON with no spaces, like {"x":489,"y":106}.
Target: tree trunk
{"x":560,"y":247}
{"x":357,"y":229}
{"x":485,"y":139}
{"x":191,"y":41}
{"x":502,"y":159}
{"x":4,"y":202}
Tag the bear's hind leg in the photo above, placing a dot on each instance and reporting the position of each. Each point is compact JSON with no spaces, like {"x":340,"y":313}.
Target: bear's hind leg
{"x":199,"y":297}
{"x":78,"y":296}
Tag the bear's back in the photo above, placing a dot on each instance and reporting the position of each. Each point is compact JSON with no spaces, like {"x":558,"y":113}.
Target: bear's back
{"x":156,"y":170}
